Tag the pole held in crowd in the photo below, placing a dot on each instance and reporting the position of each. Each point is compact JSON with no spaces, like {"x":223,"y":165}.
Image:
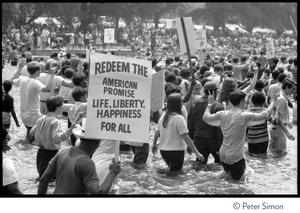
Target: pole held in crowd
{"x":187,"y":47}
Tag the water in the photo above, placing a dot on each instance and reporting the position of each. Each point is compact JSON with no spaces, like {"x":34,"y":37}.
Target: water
{"x":269,"y":174}
{"x":266,"y":175}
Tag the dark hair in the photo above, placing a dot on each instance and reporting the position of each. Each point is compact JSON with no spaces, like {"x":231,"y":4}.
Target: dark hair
{"x":259,"y":85}
{"x":281,"y":77}
{"x":177,"y":58}
{"x":54,"y":55}
{"x":68,"y":55}
{"x":154,"y":62}
{"x":235,"y":60}
{"x":295,"y":61}
{"x":28,"y":60}
{"x":280,"y":69}
{"x":77,"y":78}
{"x":77,"y":94}
{"x":275,"y":74}
{"x":185,"y":72}
{"x":54,"y":102}
{"x":173,"y":106}
{"x":244,"y":58}
{"x":268,"y":71}
{"x":85,"y":65}
{"x":229,"y":67}
{"x":33,"y":67}
{"x":7,"y":85}
{"x":275,"y":60}
{"x":171,"y":88}
{"x":203,"y":69}
{"x":258,"y":99}
{"x":83,"y":55}
{"x":287,"y":82}
{"x":23,"y":55}
{"x":171,"y":77}
{"x":63,"y":69}
{"x":168,"y":61}
{"x":236,"y":97}
{"x":69,"y":72}
{"x":282,"y":58}
{"x":290,"y":60}
{"x":28,"y":48}
{"x":218,"y":67}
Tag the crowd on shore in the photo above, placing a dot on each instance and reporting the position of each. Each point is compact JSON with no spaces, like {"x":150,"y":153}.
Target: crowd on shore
{"x":213,"y":106}
{"x":134,"y":36}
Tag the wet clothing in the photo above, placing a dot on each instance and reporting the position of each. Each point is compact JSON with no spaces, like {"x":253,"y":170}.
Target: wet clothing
{"x":257,"y":136}
{"x":258,"y":148}
{"x":234,"y":123}
{"x":277,"y":135}
{"x":237,"y":169}
{"x":43,"y":158}
{"x":174,"y":159}
{"x":207,"y":139}
{"x":74,"y":171}
{"x":7,"y":108}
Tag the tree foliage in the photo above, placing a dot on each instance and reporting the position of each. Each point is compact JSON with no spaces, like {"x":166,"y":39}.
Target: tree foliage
{"x":248,"y":15}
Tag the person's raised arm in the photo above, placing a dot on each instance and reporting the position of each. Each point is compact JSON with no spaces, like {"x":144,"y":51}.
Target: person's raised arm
{"x":50,"y":83}
{"x":211,"y":119}
{"x":253,"y":82}
{"x":67,"y":84}
{"x":20,"y":66}
{"x":189,"y":93}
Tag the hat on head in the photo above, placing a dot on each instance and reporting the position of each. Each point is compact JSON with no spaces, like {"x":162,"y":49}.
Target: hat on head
{"x":79,"y":131}
{"x":210,"y":85}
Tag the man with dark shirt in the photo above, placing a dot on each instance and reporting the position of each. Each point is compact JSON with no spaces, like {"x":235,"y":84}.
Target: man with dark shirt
{"x":207,"y":139}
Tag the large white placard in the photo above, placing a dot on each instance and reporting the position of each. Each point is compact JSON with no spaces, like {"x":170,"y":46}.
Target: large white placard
{"x":201,"y":41}
{"x":189,"y":27}
{"x":157,"y":91}
{"x":270,"y":49}
{"x":109,"y":35}
{"x":119,"y":98}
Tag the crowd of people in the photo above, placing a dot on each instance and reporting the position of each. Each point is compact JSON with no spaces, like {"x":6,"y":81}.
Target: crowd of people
{"x":135,"y":35}
{"x":213,"y":106}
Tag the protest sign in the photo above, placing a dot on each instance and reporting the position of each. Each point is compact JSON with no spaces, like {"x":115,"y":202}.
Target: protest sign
{"x":157,"y":91}
{"x":201,"y":41}
{"x":170,"y":24}
{"x":189,"y":28}
{"x":109,"y":35}
{"x":270,"y":50}
{"x":119,"y":98}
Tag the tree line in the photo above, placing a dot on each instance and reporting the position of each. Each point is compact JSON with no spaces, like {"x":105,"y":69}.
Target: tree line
{"x":272,"y":15}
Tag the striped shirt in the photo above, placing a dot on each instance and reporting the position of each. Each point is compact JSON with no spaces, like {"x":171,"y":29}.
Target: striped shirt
{"x":257,"y":133}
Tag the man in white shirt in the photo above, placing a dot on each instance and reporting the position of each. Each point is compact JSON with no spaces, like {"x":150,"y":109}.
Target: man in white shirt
{"x":274,"y":87}
{"x":234,"y":123}
{"x":278,"y":130}
{"x":30,"y":89}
